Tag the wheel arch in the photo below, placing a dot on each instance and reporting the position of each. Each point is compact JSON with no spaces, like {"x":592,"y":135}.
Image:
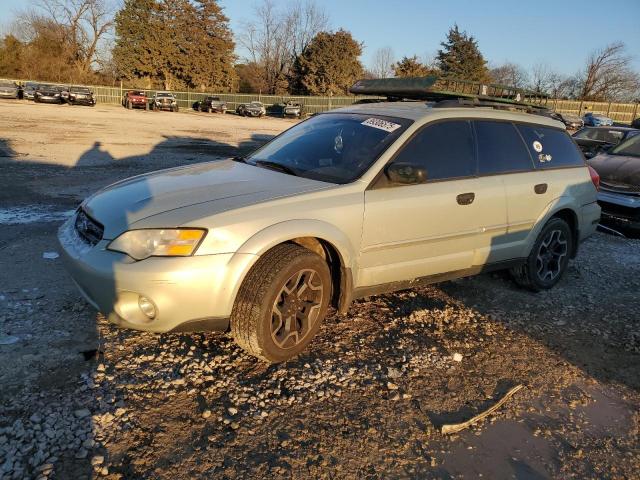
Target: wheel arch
{"x":321,"y":238}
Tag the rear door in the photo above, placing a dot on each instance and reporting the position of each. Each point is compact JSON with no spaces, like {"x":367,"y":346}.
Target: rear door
{"x":412,"y":231}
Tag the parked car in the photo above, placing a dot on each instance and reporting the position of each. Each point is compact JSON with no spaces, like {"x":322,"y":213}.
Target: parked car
{"x":596,"y":120}
{"x":572,"y":122}
{"x":29,"y":90}
{"x":289,"y":108}
{"x":253,"y":109}
{"x":212,"y":104}
{"x":349,"y":203}
{"x":619,"y":195}
{"x":9,"y":89}
{"x":164,"y":101}
{"x":80,"y":96}
{"x":593,"y":140}
{"x":48,"y":94}
{"x":135,"y":99}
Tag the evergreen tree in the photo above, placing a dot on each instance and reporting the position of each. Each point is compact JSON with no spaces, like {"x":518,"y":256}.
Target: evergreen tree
{"x":329,"y":65}
{"x":461,"y":58}
{"x":411,"y":67}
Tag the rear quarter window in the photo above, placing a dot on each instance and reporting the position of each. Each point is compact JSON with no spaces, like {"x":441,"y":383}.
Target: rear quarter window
{"x":550,"y":148}
{"x":500,"y":148}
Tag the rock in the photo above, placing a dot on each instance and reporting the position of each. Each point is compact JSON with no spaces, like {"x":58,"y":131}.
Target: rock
{"x":232,"y":411}
{"x":457,"y":357}
{"x":82,"y":413}
{"x":206,"y":414}
{"x":97,"y":460}
{"x":393,"y":373}
{"x":35,"y":418}
{"x":235,"y":425}
{"x":82,"y":453}
{"x":392,"y":386}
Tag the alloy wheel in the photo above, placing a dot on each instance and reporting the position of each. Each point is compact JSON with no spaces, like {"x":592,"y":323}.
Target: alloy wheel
{"x":296,"y":308}
{"x":549,"y":261}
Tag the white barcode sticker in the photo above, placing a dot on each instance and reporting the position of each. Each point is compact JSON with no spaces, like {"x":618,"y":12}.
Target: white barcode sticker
{"x":381,"y":124}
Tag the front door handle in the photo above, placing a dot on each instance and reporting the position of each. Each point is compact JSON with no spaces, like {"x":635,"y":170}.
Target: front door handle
{"x":466,"y":198}
{"x":540,"y":188}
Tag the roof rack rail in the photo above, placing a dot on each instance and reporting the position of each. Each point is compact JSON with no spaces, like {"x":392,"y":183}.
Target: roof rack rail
{"x":449,"y":90}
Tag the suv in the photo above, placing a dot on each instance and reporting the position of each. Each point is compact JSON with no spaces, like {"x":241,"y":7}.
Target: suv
{"x":353,"y":202}
{"x":164,"y":101}
{"x":213,"y":104}
{"x":135,"y":99}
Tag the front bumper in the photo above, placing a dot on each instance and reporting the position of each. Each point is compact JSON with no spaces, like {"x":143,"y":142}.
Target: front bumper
{"x":47,"y":99}
{"x":83,"y":101}
{"x":620,"y":209}
{"x":188,"y":292}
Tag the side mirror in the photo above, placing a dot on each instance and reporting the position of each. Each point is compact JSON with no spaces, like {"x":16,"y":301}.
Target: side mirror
{"x":406,"y":173}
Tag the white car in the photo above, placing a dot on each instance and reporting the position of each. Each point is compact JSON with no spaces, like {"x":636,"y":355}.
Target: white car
{"x":357,"y":201}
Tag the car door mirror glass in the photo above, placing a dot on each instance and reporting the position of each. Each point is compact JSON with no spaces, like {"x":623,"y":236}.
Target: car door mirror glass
{"x":406,"y":173}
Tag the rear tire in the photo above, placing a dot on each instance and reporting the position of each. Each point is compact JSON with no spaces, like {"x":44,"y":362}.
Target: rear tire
{"x":547,"y":263}
{"x":281,"y":303}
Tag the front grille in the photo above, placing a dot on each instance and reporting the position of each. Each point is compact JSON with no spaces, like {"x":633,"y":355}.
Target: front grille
{"x":88,"y":229}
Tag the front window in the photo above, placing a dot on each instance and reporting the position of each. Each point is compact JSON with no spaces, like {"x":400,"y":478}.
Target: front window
{"x":332,"y":147}
{"x":629,"y":148}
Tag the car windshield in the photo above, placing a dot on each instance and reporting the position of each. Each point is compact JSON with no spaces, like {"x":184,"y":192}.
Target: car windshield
{"x":7,"y":84}
{"x":164,"y":95}
{"x":570,"y":118}
{"x":331,"y":147}
{"x":255,"y":104}
{"x":601,"y":134}
{"x":137,"y":93}
{"x":630,"y":147}
{"x":80,"y":90}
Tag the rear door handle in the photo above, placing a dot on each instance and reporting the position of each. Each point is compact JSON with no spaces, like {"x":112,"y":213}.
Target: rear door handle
{"x":540,"y":188}
{"x":466,"y":198}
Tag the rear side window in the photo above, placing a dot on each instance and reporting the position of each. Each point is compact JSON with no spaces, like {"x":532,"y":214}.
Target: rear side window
{"x":500,"y":148}
{"x":551,"y":148}
{"x":444,"y":150}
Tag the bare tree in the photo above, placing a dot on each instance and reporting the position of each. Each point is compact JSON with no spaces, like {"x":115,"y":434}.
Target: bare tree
{"x":509,"y":74}
{"x":86,"y":23}
{"x":608,"y":75}
{"x":274,"y":38}
{"x":382,"y":65}
{"x":545,"y":80}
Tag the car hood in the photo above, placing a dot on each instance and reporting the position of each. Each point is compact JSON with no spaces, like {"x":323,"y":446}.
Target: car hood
{"x":221,"y":185}
{"x":617,"y":171}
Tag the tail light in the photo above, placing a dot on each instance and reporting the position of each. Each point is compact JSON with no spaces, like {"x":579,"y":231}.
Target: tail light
{"x":595,"y":178}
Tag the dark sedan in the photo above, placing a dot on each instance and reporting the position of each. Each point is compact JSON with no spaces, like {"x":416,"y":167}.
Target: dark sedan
{"x":593,"y":140}
{"x":572,"y":122}
{"x":213,"y":104}
{"x":29,"y":90}
{"x":48,"y":94}
{"x":619,"y":195}
{"x":80,"y":96}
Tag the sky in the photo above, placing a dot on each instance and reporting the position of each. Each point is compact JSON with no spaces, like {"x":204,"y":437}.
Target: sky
{"x":555,"y":32}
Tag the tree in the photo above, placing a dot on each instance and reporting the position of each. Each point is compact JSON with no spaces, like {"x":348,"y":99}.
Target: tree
{"x":545,"y":80}
{"x":411,"y":67}
{"x":510,"y":74}
{"x":274,"y":39}
{"x":382,"y":66}
{"x":461,"y":58}
{"x":329,"y":65}
{"x":608,"y":75}
{"x":250,"y":78}
{"x":175,"y":43}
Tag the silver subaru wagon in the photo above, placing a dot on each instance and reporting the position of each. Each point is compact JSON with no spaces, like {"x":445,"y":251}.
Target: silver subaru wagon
{"x":357,"y":201}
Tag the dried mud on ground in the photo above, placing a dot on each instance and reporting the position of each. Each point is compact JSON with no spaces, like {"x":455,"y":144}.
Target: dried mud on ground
{"x":82,"y":399}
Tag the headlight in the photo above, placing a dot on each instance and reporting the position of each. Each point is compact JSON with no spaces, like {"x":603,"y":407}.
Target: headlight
{"x":141,"y":244}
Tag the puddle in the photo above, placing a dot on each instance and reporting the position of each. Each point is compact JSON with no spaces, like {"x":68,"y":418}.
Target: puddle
{"x":32,"y":214}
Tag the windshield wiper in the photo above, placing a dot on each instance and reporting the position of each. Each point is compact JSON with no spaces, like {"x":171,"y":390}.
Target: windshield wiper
{"x":276,"y":166}
{"x":240,"y":159}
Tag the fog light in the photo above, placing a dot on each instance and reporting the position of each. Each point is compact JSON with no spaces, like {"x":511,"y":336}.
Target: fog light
{"x":147,"y":307}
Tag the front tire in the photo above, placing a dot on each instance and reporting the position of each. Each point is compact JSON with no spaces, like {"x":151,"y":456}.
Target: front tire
{"x":549,"y":257}
{"x":281,"y":303}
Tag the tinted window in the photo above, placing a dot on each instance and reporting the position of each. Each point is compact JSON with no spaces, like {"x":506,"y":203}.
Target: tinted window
{"x":444,"y":150}
{"x":500,"y":148}
{"x":551,"y":148}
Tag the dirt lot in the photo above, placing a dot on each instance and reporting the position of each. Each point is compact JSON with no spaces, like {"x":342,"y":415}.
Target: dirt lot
{"x":81,"y":399}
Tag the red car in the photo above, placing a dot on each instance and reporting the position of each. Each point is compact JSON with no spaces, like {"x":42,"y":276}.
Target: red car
{"x":135,"y":99}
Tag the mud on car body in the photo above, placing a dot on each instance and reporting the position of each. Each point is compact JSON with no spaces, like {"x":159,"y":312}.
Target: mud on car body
{"x":353,"y":202}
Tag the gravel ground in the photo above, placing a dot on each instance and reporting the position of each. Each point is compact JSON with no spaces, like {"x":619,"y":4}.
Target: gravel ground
{"x":82,"y":399}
